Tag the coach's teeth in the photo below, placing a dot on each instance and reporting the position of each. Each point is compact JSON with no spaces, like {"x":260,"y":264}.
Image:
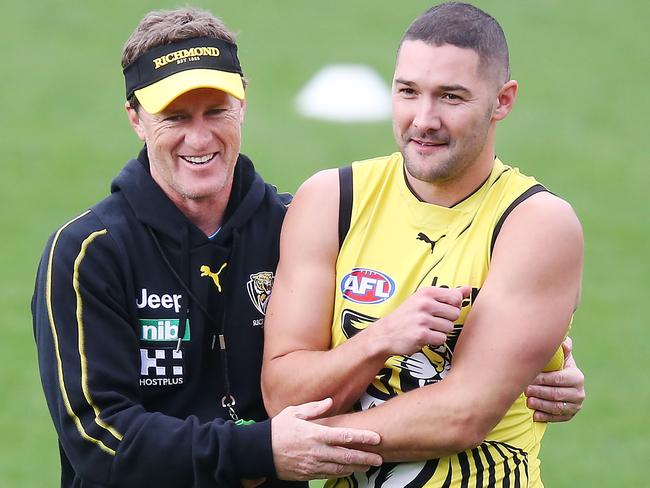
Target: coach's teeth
{"x":198,"y":159}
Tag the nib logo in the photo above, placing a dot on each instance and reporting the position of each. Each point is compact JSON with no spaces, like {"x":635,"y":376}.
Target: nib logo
{"x":157,"y":330}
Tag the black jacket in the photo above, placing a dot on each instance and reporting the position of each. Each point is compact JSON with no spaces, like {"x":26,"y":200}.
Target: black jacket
{"x":116,"y":286}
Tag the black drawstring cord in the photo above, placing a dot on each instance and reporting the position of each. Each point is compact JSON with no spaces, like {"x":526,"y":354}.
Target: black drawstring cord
{"x":185,"y":268}
{"x":180,"y":280}
{"x":228,"y":400}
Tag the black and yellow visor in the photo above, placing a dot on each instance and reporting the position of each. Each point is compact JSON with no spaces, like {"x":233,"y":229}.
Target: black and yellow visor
{"x":164,"y":73}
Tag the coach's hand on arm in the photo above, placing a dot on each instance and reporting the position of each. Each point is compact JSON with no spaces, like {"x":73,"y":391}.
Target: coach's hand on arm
{"x":557,"y":396}
{"x":304,"y":450}
{"x":519,"y":319}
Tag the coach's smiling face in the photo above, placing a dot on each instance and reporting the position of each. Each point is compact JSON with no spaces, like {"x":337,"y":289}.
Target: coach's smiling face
{"x":193,"y":144}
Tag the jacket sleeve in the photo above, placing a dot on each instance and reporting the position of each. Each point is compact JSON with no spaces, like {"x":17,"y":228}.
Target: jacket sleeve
{"x":89,"y":362}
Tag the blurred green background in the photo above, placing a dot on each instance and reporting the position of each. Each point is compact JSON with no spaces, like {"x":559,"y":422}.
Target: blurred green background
{"x":580,"y":126}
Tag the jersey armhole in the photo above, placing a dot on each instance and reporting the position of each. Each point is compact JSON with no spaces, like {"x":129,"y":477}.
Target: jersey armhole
{"x":345,"y":202}
{"x":524,"y":196}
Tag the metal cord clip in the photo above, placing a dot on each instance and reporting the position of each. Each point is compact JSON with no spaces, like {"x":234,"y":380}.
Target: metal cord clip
{"x":228,"y":401}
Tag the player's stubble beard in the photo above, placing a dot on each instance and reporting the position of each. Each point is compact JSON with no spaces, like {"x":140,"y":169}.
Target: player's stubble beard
{"x":461,"y":152}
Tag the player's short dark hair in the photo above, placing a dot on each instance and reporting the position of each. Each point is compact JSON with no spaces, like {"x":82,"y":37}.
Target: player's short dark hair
{"x":465,"y":26}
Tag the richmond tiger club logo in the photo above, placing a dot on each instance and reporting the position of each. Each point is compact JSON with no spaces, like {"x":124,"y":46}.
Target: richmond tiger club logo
{"x":367,"y":286}
{"x":259,"y":291}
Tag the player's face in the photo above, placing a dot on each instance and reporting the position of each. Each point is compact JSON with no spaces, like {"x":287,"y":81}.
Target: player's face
{"x":193,"y":143}
{"x":442,"y":110}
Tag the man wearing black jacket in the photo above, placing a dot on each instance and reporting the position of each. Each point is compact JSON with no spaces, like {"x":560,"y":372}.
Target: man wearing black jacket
{"x":149,"y":307}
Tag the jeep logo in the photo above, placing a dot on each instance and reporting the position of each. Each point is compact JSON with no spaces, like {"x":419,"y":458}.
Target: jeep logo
{"x":154,"y":301}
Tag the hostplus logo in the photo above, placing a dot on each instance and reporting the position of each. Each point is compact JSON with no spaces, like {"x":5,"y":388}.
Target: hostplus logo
{"x":161,"y":367}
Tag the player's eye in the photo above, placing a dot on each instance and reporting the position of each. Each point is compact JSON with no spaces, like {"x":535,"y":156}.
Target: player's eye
{"x":451,"y":97}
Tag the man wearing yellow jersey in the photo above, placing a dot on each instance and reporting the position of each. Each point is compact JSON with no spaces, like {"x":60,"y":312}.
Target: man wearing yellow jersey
{"x":451,"y":283}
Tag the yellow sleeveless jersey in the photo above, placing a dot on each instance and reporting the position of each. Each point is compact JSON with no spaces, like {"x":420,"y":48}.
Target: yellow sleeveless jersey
{"x":396,"y":244}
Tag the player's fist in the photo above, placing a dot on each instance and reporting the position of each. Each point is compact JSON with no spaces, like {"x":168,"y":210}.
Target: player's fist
{"x":425,"y":318}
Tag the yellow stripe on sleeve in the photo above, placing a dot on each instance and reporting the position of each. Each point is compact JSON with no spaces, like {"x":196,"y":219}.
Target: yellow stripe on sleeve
{"x":80,"y":326}
{"x":64,"y":394}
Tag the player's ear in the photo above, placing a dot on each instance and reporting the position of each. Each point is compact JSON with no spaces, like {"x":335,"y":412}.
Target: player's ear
{"x":134,"y":120}
{"x":505,"y":100}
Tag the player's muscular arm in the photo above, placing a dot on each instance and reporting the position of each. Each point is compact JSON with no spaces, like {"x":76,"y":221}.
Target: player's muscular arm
{"x":298,"y":365}
{"x":518,"y":320}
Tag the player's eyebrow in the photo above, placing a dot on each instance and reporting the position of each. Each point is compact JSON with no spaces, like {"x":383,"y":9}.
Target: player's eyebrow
{"x":443,"y":88}
{"x":402,"y":81}
{"x":455,"y":88}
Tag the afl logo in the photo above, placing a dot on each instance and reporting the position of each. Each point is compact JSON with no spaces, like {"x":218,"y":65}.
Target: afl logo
{"x":363,"y":285}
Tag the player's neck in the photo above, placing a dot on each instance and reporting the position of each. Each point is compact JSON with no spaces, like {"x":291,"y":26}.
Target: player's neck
{"x":449,"y":192}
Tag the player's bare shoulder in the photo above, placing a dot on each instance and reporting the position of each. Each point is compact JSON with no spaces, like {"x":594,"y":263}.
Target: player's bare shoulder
{"x":323,"y":186}
{"x":313,"y":214}
{"x":547,"y":216}
{"x":544,"y":233}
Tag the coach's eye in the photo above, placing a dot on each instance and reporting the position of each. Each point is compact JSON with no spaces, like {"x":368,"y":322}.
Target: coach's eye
{"x":174,"y":118}
{"x":215,"y":111}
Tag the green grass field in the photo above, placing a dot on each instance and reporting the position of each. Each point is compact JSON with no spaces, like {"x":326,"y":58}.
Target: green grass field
{"x":580,"y":126}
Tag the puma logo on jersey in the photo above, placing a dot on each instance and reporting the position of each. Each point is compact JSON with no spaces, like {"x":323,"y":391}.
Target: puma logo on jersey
{"x":423,"y":237}
{"x":206,"y":271}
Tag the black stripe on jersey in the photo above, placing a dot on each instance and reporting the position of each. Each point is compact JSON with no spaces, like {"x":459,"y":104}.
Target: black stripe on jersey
{"x":345,"y":202}
{"x":520,"y":457}
{"x":491,"y":185}
{"x":525,"y":195}
{"x":506,"y":465}
{"x":481,"y":186}
{"x":464,"y":469}
{"x":385,"y":471}
{"x":467,"y":227}
{"x":490,"y":460}
{"x":479,"y":467}
{"x":425,"y":475}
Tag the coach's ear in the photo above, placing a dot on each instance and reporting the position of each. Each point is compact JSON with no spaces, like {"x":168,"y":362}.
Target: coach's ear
{"x":134,"y":120}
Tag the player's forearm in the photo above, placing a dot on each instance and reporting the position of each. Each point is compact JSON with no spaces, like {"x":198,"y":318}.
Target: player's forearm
{"x":342,"y":373}
{"x":426,"y":423}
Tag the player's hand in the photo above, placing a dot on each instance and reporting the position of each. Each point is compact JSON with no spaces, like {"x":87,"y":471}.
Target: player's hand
{"x":558,"y":395}
{"x":425,"y":318}
{"x":304,"y":450}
